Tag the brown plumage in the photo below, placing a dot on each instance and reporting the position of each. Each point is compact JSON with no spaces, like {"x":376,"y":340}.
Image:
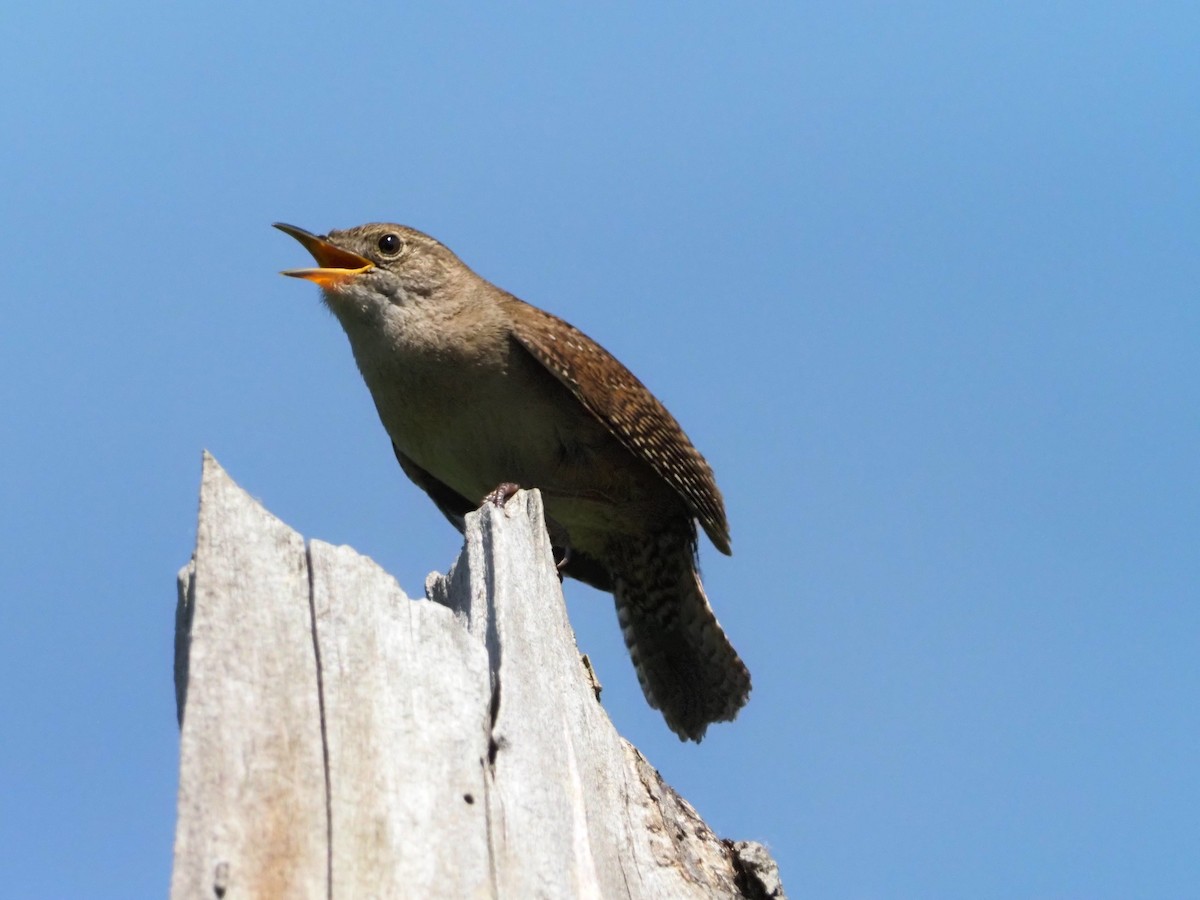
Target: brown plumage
{"x":477,"y":388}
{"x":635,"y":416}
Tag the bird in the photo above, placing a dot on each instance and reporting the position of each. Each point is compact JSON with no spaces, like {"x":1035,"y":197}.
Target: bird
{"x":481,"y":392}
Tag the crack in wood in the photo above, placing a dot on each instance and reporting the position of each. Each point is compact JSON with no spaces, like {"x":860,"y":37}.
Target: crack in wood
{"x":312,"y":609}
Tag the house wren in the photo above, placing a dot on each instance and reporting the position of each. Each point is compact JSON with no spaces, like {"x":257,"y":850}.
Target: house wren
{"x":478,"y":389}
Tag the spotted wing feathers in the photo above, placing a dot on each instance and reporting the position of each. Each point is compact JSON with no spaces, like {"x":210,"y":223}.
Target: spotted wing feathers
{"x":636,"y":418}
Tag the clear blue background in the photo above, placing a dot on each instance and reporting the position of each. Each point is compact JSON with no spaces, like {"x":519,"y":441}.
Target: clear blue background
{"x":919,"y":279}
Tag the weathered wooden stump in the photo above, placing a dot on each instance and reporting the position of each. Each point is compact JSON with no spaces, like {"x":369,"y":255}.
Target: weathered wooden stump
{"x":341,"y":740}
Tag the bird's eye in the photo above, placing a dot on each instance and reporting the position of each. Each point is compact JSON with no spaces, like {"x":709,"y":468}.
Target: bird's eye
{"x":390,"y":244}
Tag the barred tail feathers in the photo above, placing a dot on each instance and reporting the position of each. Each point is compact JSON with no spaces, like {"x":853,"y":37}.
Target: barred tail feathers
{"x":686,"y":665}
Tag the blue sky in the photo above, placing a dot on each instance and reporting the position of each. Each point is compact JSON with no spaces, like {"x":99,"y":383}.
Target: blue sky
{"x":920,"y":280}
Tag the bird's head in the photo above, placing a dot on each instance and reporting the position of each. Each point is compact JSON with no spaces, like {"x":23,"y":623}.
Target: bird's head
{"x":378,"y":270}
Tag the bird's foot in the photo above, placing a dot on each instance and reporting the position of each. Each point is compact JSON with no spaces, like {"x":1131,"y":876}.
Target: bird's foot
{"x":560,"y":564}
{"x":596,"y":686}
{"x":502,"y":494}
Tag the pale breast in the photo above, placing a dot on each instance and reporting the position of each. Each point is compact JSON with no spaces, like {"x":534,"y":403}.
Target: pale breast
{"x":475,"y":426}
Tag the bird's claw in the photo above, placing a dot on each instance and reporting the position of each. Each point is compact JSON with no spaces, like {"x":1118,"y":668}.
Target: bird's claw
{"x":502,"y":494}
{"x":560,"y":564}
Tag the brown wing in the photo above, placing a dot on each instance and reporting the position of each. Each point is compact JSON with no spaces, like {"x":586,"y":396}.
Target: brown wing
{"x":636,"y":418}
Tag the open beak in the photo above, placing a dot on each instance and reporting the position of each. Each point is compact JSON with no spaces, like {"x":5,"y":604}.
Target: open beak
{"x":335,"y":265}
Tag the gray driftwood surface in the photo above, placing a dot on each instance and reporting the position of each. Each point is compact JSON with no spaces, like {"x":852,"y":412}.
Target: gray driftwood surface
{"x":341,"y":740}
